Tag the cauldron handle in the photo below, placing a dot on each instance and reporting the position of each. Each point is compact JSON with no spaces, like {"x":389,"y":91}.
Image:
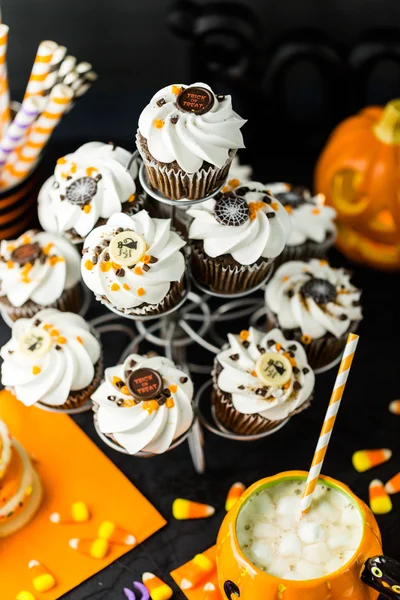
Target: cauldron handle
{"x":382,"y":573}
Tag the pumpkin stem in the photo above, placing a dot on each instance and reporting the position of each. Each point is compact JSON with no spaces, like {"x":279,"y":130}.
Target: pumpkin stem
{"x":387,"y":129}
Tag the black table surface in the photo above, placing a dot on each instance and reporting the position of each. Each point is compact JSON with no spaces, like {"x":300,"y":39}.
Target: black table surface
{"x":363,"y":422}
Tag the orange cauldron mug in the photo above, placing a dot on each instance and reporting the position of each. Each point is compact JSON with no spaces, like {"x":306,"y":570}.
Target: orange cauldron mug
{"x":366,"y":575}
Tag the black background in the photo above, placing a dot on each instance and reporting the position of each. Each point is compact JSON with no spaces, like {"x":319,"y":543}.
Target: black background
{"x":135,"y":53}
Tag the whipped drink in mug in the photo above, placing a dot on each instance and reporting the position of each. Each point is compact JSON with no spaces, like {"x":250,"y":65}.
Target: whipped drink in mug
{"x":273,"y":537}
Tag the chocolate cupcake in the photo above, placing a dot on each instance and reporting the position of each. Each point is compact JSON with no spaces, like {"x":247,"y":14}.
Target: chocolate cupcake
{"x":260,"y":380}
{"x":38,"y":270}
{"x":316,"y":305}
{"x":313,"y":228}
{"x":88,"y":186}
{"x":236,"y":236}
{"x":144,"y":404}
{"x":53,"y":360}
{"x":135,"y":265}
{"x":187,"y":138}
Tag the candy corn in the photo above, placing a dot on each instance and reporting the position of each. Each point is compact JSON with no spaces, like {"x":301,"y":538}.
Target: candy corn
{"x":79,"y":514}
{"x":24,"y":595}
{"x":196,"y":571}
{"x":111,"y":532}
{"x":234,"y":494}
{"x":210,"y":592}
{"x":394,"y":407}
{"x":393,"y":486}
{"x":42,"y":579}
{"x":94,"y":548}
{"x":363,"y":460}
{"x":379,"y":500}
{"x":186,"y":509}
{"x":158,"y":589}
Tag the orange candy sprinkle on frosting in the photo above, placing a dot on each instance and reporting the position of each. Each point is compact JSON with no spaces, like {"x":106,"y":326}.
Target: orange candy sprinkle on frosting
{"x":158,"y":123}
{"x":141,"y":292}
{"x":36,"y":370}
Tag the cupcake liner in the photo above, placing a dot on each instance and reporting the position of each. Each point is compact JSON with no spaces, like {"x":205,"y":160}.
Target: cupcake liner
{"x":305,"y":251}
{"x":176,"y":184}
{"x":321,"y":351}
{"x":240,"y":423}
{"x":225,"y":278}
{"x":70,"y":301}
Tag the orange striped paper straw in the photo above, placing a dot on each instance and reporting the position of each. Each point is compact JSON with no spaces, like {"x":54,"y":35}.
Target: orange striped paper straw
{"x":40,"y":69}
{"x":20,"y":163}
{"x":329,"y":422}
{"x":5,"y":114}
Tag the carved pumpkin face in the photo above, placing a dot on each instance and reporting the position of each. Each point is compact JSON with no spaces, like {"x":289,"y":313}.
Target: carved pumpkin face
{"x":359,"y":174}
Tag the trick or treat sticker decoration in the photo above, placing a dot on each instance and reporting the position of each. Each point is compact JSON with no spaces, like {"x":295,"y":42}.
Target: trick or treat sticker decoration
{"x":127,"y":248}
{"x":197,"y":100}
{"x":73,"y":485}
{"x":273,"y":369}
{"x":145,"y":384}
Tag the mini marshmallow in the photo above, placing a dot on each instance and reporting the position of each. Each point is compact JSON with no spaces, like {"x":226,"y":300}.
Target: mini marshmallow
{"x":288,"y":506}
{"x":325,"y":513}
{"x":264,"y":505}
{"x":282,"y":565}
{"x":333,"y":564}
{"x":309,"y":571}
{"x":317,"y":553}
{"x":350,"y":516}
{"x":290,"y":545}
{"x":265,"y":531}
{"x":309,"y":533}
{"x":261,"y":551}
{"x":339,"y":537}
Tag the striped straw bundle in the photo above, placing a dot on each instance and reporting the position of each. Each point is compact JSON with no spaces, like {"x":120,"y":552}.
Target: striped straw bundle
{"x":55,"y":83}
{"x":329,"y":422}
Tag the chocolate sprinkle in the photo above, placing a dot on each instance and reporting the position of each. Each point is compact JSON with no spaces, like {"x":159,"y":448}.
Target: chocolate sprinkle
{"x":297,"y":386}
{"x":234,"y":357}
{"x":160,"y":102}
{"x":132,"y":362}
{"x":271,"y":343}
{"x":267,"y":199}
{"x":270,"y":215}
{"x":245,"y":343}
{"x":292,"y":347}
{"x":57,"y":347}
{"x":95,"y":259}
{"x":146,"y":267}
{"x":220,"y":97}
{"x":11,"y":352}
{"x":161,"y":400}
{"x":183,"y":379}
{"x":119,"y":402}
{"x":174,"y":119}
{"x":290,"y":293}
{"x":261,"y":349}
{"x":37,"y":322}
{"x":343,"y":317}
{"x":119,"y":230}
{"x":356,"y":303}
{"x":106,"y":257}
{"x":241,"y":387}
{"x":153,"y":259}
{"x":295,"y":370}
{"x":120,"y":272}
{"x":112,"y":398}
{"x":62,"y":197}
{"x":242,"y":191}
{"x":166,"y":392}
{"x":259,"y":392}
{"x":306,"y":370}
{"x":119,"y":384}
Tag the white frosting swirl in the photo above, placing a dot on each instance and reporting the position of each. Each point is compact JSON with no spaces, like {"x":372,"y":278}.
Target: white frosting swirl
{"x":311,"y":218}
{"x":278,"y":402}
{"x":5,"y":448}
{"x":45,"y":278}
{"x":146,"y":283}
{"x":294,"y":309}
{"x":194,"y":138}
{"x":258,"y":237}
{"x":239,"y":171}
{"x":92,"y":160}
{"x":136,"y":427}
{"x":67,"y":365}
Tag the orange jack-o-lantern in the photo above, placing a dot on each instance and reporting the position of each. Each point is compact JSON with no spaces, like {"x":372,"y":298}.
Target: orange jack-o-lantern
{"x":359,"y":174}
{"x":361,"y":578}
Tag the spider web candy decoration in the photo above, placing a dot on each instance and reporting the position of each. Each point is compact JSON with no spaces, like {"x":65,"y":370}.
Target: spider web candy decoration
{"x":320,"y":290}
{"x":294,"y":197}
{"x":82,"y":190}
{"x":231,"y":211}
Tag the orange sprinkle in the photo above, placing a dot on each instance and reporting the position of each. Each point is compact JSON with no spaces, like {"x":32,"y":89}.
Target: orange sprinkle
{"x":87,"y":208}
{"x":234,"y":183}
{"x":54,"y":333}
{"x":141,"y":292}
{"x":124,"y":390}
{"x":26,"y":239}
{"x":73,"y":168}
{"x":315,"y":211}
{"x":126,"y":287}
{"x":170,"y":403}
{"x":88,"y":265}
{"x":176,"y":89}
{"x":260,"y":205}
{"x":288,"y":209}
{"x":26,"y":268}
{"x":150,"y":406}
{"x":53,"y":260}
{"x":62,"y":161}
{"x":115,"y":287}
{"x":138,"y":271}
{"x":10,"y":247}
{"x":47,"y":326}
{"x":79,"y":339}
{"x":306,"y":339}
{"x":278,"y":346}
{"x":225,"y":189}
{"x":254,"y":374}
{"x":285,"y":278}
{"x":61,"y":340}
{"x":173,"y":388}
{"x":47,"y":248}
{"x":105,"y":266}
{"x":274,"y":205}
{"x":158,"y":123}
{"x":132,"y":198}
{"x":36,"y":370}
{"x":253,"y":216}
{"x":116,"y":379}
{"x":10,"y":264}
{"x":90,"y":171}
{"x":146,"y":258}
{"x":115,"y":265}
{"x":323,"y":263}
{"x":244,"y":334}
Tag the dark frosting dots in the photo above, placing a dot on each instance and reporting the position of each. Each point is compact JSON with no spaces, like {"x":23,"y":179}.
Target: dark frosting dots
{"x":320,"y":290}
{"x":197,"y":100}
{"x":294,"y":197}
{"x":81,"y":191}
{"x":26,"y":253}
{"x":232,"y":211}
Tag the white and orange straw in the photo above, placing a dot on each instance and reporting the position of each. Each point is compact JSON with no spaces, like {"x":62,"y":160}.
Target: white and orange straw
{"x":329,"y":422}
{"x":4,"y":91}
{"x":41,"y":68}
